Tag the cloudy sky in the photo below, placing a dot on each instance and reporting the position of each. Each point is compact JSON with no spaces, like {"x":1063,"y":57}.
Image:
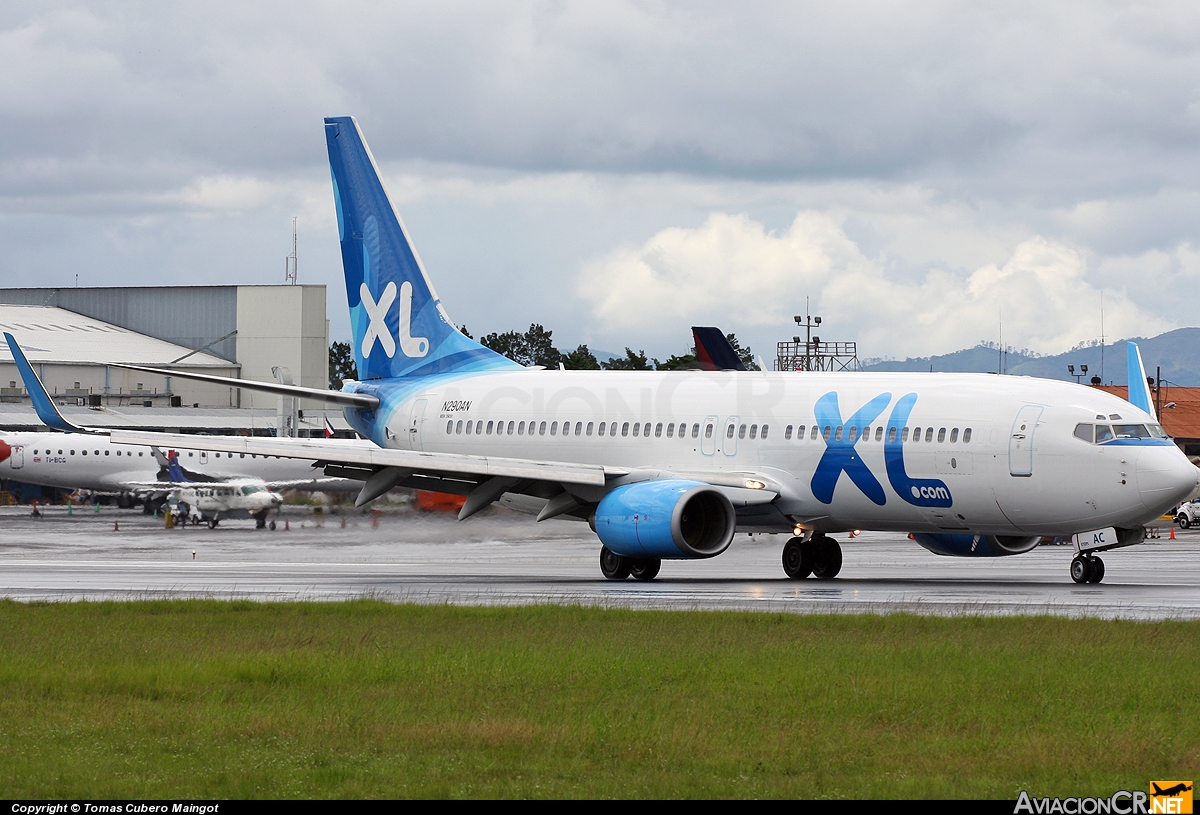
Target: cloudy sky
{"x":621,"y":171}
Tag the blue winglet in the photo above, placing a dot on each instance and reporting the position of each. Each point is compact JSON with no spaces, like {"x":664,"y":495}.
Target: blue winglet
{"x":42,"y":402}
{"x":1139,"y":388}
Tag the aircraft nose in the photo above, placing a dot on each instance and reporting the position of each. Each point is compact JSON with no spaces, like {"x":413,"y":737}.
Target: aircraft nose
{"x":1165,"y":477}
{"x":5,"y":450}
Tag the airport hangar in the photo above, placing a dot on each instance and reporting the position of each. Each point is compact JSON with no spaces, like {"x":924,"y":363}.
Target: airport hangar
{"x":70,"y":335}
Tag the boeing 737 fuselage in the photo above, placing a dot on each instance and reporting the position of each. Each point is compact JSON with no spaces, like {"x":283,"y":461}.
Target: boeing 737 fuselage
{"x":672,"y":465}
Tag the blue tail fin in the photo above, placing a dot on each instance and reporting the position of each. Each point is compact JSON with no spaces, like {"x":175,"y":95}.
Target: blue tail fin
{"x":400,"y":327}
{"x":42,"y":403}
{"x":1139,"y":388}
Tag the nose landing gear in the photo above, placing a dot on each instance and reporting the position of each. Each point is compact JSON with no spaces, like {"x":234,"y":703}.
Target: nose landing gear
{"x":1087,"y":569}
{"x":819,"y":556}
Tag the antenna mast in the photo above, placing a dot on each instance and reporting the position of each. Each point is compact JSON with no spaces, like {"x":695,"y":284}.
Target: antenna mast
{"x":290,"y":263}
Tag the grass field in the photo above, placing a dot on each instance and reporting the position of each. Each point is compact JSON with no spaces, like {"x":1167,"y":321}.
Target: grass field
{"x":213,"y":699}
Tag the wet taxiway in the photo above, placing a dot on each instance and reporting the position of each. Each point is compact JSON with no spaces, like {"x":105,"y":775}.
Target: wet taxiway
{"x":504,"y":558}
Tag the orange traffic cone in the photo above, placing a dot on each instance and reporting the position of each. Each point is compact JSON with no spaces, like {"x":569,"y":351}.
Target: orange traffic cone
{"x":116,"y":526}
{"x":1172,"y":531}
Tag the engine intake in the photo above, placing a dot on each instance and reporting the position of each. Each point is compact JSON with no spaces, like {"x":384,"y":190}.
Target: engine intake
{"x":672,"y":518}
{"x":976,"y":545}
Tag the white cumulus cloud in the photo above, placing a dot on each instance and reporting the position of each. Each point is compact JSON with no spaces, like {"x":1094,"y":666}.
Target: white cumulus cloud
{"x":732,"y":271}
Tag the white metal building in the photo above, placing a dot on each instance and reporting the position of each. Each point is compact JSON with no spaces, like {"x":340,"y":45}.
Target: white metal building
{"x":72,"y":334}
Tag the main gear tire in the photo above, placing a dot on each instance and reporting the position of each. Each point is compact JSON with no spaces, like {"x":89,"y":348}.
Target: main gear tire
{"x":614,"y":566}
{"x":828,"y":559}
{"x":797,"y":562}
{"x":646,"y":569}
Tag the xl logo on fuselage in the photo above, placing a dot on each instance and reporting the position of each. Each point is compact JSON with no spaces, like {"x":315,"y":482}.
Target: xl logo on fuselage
{"x":377,"y":329}
{"x":840,"y":455}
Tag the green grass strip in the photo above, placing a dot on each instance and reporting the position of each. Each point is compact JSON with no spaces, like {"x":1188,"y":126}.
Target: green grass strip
{"x":216,"y":699}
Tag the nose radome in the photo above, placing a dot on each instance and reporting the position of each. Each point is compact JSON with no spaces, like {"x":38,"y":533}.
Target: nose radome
{"x":1165,"y":477}
{"x":5,"y":450}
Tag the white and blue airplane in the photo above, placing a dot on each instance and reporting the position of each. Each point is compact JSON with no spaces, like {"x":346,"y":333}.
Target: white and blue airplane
{"x":671,"y":465}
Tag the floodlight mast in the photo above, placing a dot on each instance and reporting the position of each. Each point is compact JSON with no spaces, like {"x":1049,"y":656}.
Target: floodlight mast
{"x":814,"y":355}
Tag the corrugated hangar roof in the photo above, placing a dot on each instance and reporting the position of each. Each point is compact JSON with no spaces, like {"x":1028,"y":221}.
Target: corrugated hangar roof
{"x":54,"y":335}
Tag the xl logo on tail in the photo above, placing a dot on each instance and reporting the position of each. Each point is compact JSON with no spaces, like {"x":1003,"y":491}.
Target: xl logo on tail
{"x":415,"y":347}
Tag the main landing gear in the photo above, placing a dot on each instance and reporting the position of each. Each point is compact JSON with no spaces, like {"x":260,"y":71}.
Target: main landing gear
{"x":1087,"y":569}
{"x":619,"y":567}
{"x":819,"y":556}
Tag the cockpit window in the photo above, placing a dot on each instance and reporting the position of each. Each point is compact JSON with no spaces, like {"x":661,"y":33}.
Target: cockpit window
{"x":1157,"y":432}
{"x":1131,"y":431}
{"x":250,"y":489}
{"x":1085,"y":432}
{"x":1103,"y":433}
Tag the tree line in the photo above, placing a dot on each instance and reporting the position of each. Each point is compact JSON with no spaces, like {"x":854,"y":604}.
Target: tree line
{"x":536,"y":347}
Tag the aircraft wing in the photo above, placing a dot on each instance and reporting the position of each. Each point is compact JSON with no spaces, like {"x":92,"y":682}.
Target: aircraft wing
{"x":482,"y":478}
{"x":161,"y":486}
{"x":370,"y":458}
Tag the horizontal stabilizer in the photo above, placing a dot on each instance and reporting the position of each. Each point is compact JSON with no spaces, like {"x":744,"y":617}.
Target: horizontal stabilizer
{"x":359,"y":400}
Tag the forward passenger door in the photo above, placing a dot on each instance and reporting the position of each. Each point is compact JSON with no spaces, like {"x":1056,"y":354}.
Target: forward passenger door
{"x":1020,"y":442}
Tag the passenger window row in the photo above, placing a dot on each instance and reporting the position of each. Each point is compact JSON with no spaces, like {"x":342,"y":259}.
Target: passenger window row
{"x":83,"y":452}
{"x":636,"y":429}
{"x":853,"y":433}
{"x":191,"y":453}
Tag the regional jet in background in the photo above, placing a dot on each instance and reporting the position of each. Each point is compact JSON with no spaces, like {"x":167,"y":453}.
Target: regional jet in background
{"x":670,"y":465}
{"x":135,"y":473}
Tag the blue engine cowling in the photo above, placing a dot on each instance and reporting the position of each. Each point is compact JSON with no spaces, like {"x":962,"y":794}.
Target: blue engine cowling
{"x":672,"y":518}
{"x":976,"y":545}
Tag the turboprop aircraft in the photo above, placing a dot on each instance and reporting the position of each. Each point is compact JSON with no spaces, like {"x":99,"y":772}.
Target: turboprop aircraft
{"x":670,"y":465}
{"x":211,"y":501}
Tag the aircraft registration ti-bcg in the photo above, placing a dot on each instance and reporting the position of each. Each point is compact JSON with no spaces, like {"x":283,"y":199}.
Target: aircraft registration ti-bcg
{"x":672,"y":464}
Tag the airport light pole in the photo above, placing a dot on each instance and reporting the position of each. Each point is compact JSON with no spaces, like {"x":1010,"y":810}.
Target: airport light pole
{"x":1083,"y":369}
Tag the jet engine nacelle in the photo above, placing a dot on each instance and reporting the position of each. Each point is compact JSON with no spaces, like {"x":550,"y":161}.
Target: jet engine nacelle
{"x":672,"y":518}
{"x":976,"y":545}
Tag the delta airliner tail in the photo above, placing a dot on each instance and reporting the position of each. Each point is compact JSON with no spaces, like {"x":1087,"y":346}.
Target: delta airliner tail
{"x":392,"y":302}
{"x":713,"y":351}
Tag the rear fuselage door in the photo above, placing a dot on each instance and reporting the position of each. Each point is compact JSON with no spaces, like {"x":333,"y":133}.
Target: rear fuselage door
{"x":729,"y":436}
{"x":415,"y":418}
{"x":18,"y":457}
{"x":1020,"y":442}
